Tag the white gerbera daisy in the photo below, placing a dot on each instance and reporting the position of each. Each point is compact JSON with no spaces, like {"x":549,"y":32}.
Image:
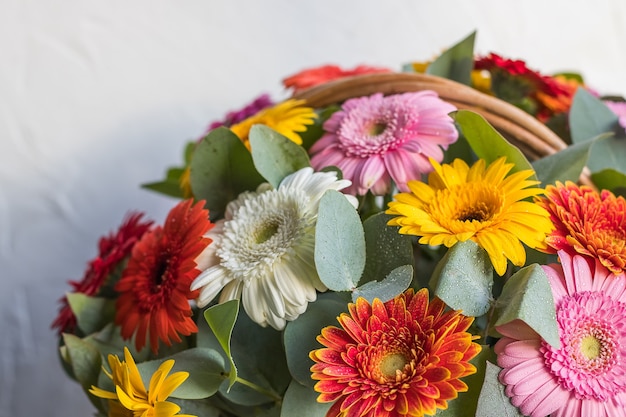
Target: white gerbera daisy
{"x":263,"y":249}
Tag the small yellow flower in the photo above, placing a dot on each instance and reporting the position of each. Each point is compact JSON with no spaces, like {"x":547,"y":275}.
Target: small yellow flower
{"x":287,"y":118}
{"x":480,"y":203}
{"x":131,"y":399}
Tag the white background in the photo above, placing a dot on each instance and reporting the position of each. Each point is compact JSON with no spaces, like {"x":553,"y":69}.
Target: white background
{"x":97,"y":97}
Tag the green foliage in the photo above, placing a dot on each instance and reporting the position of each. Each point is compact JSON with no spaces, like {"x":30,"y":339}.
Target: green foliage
{"x":566,"y":165}
{"x":206,"y":372}
{"x":257,"y":351}
{"x":85,"y":362}
{"x":221,"y":319}
{"x":301,"y":401}
{"x":486,"y":142}
{"x":339,"y":243}
{"x":300,"y":335}
{"x":493,"y":402}
{"x":385,"y":248}
{"x":590,"y":117}
{"x":274,"y":155}
{"x":170,"y":185}
{"x":221,"y":169}
{"x":463,"y":279}
{"x":456,"y":63}
{"x":527,"y":296}
{"x":394,"y":284}
{"x":92,"y":313}
{"x":610,"y":179}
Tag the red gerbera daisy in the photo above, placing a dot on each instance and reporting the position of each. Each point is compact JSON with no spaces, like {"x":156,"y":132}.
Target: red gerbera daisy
{"x":404,"y":357}
{"x":112,"y":250}
{"x":154,"y":289}
{"x":588,"y":223}
{"x":314,"y":76}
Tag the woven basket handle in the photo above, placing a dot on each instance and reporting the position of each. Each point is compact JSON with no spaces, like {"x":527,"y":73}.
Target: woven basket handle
{"x":533,"y":138}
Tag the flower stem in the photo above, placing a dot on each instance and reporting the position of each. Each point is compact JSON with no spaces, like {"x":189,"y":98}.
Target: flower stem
{"x":259,"y":389}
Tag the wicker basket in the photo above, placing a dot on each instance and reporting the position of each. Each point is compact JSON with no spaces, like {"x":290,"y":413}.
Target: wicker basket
{"x":533,"y":138}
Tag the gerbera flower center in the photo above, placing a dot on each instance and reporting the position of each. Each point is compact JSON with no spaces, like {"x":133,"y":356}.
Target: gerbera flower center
{"x":266,"y":231}
{"x":392,"y":365}
{"x":590,"y":347}
{"x":376,"y":131}
{"x":263,"y":231}
{"x":377,"y":128}
{"x":592,"y":357}
{"x":471,"y":203}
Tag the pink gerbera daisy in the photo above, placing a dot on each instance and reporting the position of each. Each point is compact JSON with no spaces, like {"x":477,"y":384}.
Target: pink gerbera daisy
{"x":586,"y":375}
{"x":376,"y":139}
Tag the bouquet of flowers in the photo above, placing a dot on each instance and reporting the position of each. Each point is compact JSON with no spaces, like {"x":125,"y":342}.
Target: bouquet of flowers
{"x":448,"y":239}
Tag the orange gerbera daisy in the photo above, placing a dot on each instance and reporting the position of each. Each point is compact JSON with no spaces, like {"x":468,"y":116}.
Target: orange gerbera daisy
{"x":154,"y":288}
{"x":588,"y":223}
{"x":405,"y":357}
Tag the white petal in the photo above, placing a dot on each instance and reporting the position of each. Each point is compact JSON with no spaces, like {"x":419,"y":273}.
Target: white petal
{"x":210,"y":282}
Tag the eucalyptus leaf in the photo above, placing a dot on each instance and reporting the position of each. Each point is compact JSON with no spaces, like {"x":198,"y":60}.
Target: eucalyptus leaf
{"x":466,"y":403}
{"x":565,"y":165}
{"x":385,"y":248}
{"x":221,"y":319}
{"x":221,"y":169}
{"x":527,"y":296}
{"x":169,"y":186}
{"x":86,"y":363}
{"x":274,"y":155}
{"x":394,"y":284}
{"x":463,"y":279}
{"x":301,"y":401}
{"x":486,"y":142}
{"x":198,"y":408}
{"x":261,"y":360}
{"x":610,"y":179}
{"x":206,"y":372}
{"x":300,"y":335}
{"x":92,"y":313}
{"x":493,"y":402}
{"x":590,"y":117}
{"x":609,"y":153}
{"x":457,"y":62}
{"x":339,"y":243}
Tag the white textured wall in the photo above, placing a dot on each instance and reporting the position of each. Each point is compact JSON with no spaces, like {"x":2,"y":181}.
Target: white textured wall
{"x":97,"y":97}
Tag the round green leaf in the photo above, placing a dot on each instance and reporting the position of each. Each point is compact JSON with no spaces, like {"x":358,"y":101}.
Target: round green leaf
{"x":274,"y":155}
{"x":463,"y":279}
{"x":299,"y":336}
{"x":339,"y":243}
{"x":221,"y":168}
{"x":527,"y":296}
{"x":493,"y":402}
{"x":386,"y":249}
{"x":590,"y":117}
{"x":221,"y":319}
{"x":395,"y":283}
{"x":206,"y":372}
{"x":301,"y":401}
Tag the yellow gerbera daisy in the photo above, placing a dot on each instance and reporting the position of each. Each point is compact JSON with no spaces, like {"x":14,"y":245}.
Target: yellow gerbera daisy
{"x":287,"y":118}
{"x":478,"y":203}
{"x":131,"y":399}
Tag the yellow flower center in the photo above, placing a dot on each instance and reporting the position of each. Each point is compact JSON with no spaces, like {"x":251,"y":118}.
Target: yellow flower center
{"x":590,"y":347}
{"x":377,"y":128}
{"x":266,"y":232}
{"x":473,"y":203}
{"x":392,"y":365}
